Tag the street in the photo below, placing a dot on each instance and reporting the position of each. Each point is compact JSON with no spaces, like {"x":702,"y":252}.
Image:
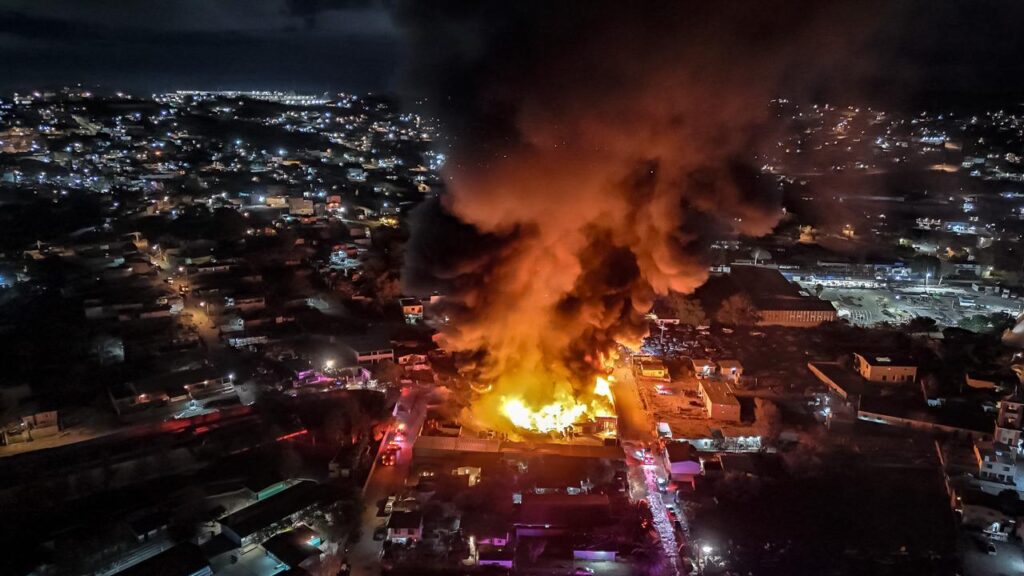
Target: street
{"x":636,"y":432}
{"x":364,"y":557}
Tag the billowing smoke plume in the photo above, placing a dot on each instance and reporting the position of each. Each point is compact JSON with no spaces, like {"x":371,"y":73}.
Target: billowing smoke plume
{"x":596,"y":149}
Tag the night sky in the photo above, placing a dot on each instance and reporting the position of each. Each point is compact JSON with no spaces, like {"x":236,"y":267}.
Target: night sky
{"x":926,"y":51}
{"x":155,"y":45}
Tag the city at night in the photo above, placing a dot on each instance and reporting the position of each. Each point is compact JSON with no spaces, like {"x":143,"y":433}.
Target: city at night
{"x":525,"y":288}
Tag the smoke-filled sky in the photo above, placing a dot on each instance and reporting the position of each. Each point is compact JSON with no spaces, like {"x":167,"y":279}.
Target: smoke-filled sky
{"x":597,"y":149}
{"x":926,"y":49}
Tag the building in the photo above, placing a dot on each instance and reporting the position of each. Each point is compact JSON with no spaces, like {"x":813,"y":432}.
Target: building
{"x":296,"y":548}
{"x":172,"y":390}
{"x":778,"y":301}
{"x":650,"y":368}
{"x":300,"y":207}
{"x":412,"y":310}
{"x":731,"y":370}
{"x":683,"y":464}
{"x":181,"y":560}
{"x":884,"y":368}
{"x":999,"y":461}
{"x":1010,"y":422}
{"x":719,"y":401}
{"x":852,"y":397}
{"x":405,"y":527}
{"x":552,"y":514}
{"x":257,"y":522}
{"x":368,"y":349}
{"x":702,"y":367}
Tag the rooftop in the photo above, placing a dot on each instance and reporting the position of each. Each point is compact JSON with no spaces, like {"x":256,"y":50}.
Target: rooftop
{"x":887,"y":359}
{"x":769,"y":290}
{"x":293,"y":547}
{"x":272,"y":509}
{"x":181,"y":560}
{"x":718,"y":392}
{"x":405,"y":521}
{"x":583,"y":510}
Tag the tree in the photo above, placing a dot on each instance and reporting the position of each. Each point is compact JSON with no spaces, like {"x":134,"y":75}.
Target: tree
{"x":987,"y":324}
{"x":389,"y":372}
{"x":767,"y":417}
{"x":931,"y":385}
{"x":738,"y":310}
{"x":337,"y":428}
{"x":685,"y":308}
{"x":921,"y":324}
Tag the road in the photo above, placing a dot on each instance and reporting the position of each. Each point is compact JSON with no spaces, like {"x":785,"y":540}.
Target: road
{"x":635,"y":424}
{"x":364,"y":557}
{"x":636,"y":431}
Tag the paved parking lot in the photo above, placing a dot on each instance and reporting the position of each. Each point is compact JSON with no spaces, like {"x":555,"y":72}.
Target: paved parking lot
{"x":871,"y":306}
{"x":1008,"y":560}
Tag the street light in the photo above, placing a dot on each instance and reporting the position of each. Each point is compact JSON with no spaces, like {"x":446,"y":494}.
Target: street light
{"x":705,"y":550}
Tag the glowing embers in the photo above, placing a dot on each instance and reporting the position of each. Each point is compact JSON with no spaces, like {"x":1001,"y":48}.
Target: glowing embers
{"x":564,"y":412}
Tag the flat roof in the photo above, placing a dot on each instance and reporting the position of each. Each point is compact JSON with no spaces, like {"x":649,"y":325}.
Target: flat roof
{"x":769,"y":290}
{"x":887,"y":360}
{"x":257,"y":516}
{"x":564,"y":510}
{"x":405,"y":520}
{"x":840,"y":380}
{"x":719,"y":392}
{"x":294,"y":546}
{"x":181,"y":560}
{"x":176,"y":381}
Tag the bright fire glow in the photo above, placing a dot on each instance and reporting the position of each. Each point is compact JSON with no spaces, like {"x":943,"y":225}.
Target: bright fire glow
{"x":563,"y":413}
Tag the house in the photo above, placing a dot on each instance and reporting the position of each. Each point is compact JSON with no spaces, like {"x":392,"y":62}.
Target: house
{"x":702,"y":367}
{"x":412,"y":310}
{"x":182,"y":560}
{"x":651,"y":368}
{"x":719,"y":401}
{"x":999,"y":461}
{"x":731,"y":370}
{"x":683,"y":464}
{"x":884,"y":368}
{"x":405,"y":527}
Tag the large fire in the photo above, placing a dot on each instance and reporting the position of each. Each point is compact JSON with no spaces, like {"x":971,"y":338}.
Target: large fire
{"x":587,"y":175}
{"x":563,"y":412}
